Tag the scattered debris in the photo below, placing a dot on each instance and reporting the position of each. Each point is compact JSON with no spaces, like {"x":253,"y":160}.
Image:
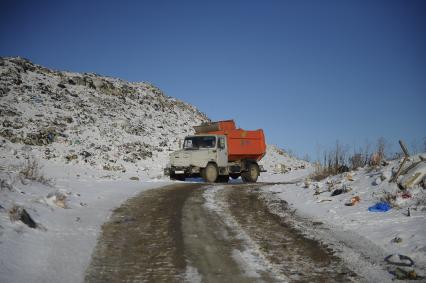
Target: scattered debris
{"x":400,"y":260}
{"x":337,"y":192}
{"x":354,"y":200}
{"x":406,"y":195}
{"x":414,"y":176}
{"x":71,"y":157}
{"x":344,"y":189}
{"x":349,"y":177}
{"x":380,"y":207}
{"x":406,"y":156}
{"x":402,"y":274}
{"x":57,"y":198}
{"x":324,"y":200}
{"x":397,"y":240}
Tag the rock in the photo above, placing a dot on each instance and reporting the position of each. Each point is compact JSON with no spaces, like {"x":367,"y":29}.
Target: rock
{"x":134,"y":178}
{"x":19,"y":213}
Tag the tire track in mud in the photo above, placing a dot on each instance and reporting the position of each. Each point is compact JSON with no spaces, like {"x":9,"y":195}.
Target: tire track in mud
{"x":299,"y":258}
{"x":172,"y":235}
{"x":142,"y":242}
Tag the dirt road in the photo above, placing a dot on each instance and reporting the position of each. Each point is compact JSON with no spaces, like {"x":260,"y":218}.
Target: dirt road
{"x":207,"y":233}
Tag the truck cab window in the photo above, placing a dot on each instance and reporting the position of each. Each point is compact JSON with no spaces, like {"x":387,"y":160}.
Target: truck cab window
{"x":221,"y":143}
{"x":199,"y":142}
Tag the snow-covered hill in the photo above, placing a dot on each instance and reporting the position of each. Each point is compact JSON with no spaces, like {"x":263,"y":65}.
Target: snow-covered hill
{"x":91,"y":120}
{"x":281,"y":167}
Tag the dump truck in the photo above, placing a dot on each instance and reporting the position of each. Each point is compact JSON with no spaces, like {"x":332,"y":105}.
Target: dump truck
{"x":219,"y":151}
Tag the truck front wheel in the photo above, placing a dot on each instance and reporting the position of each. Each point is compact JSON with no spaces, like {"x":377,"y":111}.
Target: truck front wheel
{"x":252,"y":173}
{"x":210,"y":173}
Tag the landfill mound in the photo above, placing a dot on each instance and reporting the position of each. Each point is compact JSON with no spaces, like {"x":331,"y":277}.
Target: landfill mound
{"x":90,"y":119}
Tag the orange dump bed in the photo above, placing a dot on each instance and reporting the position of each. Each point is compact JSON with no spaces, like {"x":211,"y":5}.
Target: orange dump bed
{"x":242,"y":144}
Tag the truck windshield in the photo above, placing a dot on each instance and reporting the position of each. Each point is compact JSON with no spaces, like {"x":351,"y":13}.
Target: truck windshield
{"x":199,"y":142}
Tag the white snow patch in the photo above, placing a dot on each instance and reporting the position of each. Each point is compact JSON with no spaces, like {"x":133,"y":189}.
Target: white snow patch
{"x":192,"y":275}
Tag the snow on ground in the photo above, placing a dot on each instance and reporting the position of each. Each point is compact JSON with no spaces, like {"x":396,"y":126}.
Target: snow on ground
{"x":374,"y":234}
{"x":91,"y":134}
{"x":59,"y":250}
{"x":281,"y":167}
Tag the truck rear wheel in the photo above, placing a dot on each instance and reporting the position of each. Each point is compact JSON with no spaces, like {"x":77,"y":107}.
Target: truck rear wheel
{"x":252,"y":173}
{"x":211,"y":173}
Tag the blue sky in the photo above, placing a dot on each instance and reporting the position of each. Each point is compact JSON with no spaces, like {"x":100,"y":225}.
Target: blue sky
{"x":307,"y":72}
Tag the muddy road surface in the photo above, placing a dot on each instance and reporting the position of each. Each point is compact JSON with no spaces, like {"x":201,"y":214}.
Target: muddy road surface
{"x":191,"y":232}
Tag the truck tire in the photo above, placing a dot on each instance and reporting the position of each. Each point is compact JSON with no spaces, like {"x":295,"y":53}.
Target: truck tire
{"x":211,"y":173}
{"x":252,"y":173}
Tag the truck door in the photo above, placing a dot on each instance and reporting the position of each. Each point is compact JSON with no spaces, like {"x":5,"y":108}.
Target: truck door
{"x":222,"y":152}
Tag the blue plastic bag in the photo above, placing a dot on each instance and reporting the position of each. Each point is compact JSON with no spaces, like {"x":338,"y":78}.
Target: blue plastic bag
{"x":380,"y":207}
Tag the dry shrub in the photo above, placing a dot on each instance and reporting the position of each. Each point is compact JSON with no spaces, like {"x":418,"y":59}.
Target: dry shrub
{"x":31,"y":170}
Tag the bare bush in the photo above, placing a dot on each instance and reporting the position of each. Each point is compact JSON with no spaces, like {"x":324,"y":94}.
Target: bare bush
{"x":357,"y":160}
{"x":334,"y":162}
{"x":380,"y":154}
{"x":31,"y":170}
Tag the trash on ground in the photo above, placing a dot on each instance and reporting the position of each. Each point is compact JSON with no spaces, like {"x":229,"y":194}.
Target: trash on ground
{"x":344,"y":189}
{"x":400,"y":260}
{"x":406,"y":195}
{"x":397,"y":240}
{"x":402,"y":274}
{"x":324,"y":200}
{"x":354,"y":200}
{"x":57,"y":198}
{"x":380,"y":207}
{"x":337,"y":192}
{"x":349,"y":177}
{"x":413,"y":176}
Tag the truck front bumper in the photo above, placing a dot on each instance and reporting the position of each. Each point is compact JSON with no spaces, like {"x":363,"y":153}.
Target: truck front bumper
{"x":177,"y":170}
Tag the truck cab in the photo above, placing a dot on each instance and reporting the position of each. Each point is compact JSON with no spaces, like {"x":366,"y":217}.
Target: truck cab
{"x":197,"y":152}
